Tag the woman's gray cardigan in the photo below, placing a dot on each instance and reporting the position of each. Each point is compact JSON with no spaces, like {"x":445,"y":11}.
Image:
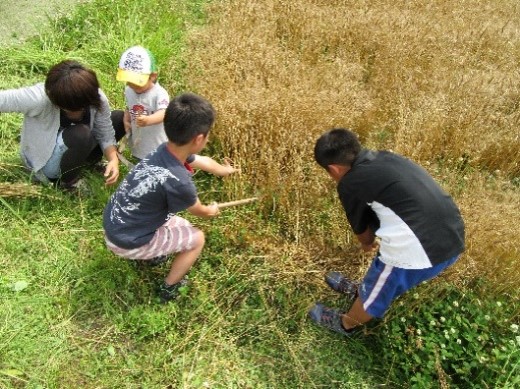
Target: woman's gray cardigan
{"x":42,"y":122}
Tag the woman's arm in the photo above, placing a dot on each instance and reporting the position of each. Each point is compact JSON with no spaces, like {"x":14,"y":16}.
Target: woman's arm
{"x":102,"y":127}
{"x":30,"y":101}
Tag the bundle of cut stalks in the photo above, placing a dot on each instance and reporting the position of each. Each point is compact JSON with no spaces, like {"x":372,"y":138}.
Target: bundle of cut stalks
{"x":18,"y":189}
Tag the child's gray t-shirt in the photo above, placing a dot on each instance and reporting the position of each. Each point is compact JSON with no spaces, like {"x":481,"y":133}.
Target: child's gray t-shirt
{"x":144,"y":140}
{"x":157,"y":188}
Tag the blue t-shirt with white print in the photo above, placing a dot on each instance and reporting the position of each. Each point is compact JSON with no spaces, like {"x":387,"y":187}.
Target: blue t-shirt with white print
{"x":158,"y":187}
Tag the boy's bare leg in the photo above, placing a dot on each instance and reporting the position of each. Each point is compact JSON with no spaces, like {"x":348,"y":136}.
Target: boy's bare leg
{"x":183,"y":262}
{"x":355,"y":316}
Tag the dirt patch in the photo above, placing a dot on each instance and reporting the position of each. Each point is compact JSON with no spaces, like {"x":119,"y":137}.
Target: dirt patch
{"x":22,"y":18}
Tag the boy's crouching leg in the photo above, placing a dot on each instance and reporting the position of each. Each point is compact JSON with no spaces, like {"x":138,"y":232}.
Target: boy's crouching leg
{"x":180,"y":266}
{"x":356,"y":315}
{"x":341,"y":322}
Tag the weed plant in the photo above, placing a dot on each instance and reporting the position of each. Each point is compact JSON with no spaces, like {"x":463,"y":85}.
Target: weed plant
{"x":430,"y":345}
{"x":436,"y":82}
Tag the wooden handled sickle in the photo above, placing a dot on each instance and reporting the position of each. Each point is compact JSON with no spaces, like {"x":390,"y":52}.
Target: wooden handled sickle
{"x":237,"y":202}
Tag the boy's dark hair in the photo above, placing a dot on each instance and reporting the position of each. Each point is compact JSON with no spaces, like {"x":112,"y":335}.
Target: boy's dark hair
{"x":71,"y":86}
{"x":338,"y":146}
{"x":187,"y":116}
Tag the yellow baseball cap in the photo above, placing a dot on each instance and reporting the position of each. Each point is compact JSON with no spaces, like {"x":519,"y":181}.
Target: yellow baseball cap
{"x":136,"y":65}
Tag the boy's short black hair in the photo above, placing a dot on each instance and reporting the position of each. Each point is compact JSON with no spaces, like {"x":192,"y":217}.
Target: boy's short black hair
{"x":187,"y":116}
{"x":71,"y":86}
{"x":338,"y":146}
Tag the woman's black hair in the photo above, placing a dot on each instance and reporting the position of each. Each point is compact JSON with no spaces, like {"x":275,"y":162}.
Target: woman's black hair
{"x":71,"y":86}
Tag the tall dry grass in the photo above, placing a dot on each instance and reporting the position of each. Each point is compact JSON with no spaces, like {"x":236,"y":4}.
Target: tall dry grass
{"x":435,"y":81}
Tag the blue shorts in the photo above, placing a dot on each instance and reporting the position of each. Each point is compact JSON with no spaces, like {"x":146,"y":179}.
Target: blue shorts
{"x":384,"y":283}
{"x":52,"y":167}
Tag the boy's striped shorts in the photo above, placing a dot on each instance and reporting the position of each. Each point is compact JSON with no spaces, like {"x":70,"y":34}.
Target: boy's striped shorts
{"x":175,"y":236}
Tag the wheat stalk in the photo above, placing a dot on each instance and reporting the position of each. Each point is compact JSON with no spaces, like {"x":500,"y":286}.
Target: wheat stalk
{"x":19,"y":189}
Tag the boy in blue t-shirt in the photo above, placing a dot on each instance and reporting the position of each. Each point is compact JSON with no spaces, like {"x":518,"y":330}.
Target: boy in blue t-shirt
{"x":140,"y":220}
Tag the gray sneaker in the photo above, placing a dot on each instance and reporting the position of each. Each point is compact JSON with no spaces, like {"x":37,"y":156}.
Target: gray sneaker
{"x":328,"y":318}
{"x":343,"y":285}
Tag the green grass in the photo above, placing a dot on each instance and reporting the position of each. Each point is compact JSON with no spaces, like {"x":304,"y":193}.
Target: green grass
{"x":84,"y":314}
{"x":74,"y":315}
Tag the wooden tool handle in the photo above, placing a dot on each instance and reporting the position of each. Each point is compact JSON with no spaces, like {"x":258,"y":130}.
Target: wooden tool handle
{"x":237,"y":202}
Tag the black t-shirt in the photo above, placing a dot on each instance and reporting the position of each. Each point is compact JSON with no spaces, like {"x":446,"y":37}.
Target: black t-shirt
{"x":418,"y":224}
{"x":65,"y":121}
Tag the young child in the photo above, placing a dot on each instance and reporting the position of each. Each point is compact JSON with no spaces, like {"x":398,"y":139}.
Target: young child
{"x":145,"y":101}
{"x":419,"y":227}
{"x":140,"y":219}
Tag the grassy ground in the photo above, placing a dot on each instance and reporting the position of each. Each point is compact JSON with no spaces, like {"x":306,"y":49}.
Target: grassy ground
{"x":73,"y":315}
{"x":24,"y":18}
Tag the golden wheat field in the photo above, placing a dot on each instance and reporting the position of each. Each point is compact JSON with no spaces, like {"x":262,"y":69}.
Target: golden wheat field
{"x":438,"y":82}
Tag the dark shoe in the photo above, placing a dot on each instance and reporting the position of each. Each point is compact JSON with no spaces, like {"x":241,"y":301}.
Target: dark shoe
{"x":142,"y":264}
{"x":328,"y":318}
{"x":343,"y":285}
{"x":170,"y":292}
{"x":156,"y":261}
{"x":77,"y":187}
{"x":99,"y":167}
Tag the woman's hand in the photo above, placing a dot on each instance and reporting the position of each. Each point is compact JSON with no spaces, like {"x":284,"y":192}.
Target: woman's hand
{"x":112,"y":169}
{"x":112,"y":172}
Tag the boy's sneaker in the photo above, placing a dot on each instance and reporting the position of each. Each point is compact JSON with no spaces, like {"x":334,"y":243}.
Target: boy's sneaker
{"x":328,"y":318}
{"x":156,"y":261}
{"x":170,"y":292}
{"x":343,"y":285}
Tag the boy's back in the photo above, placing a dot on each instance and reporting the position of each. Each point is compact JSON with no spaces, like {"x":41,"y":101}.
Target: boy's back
{"x":159,"y":186}
{"x":417,"y":218}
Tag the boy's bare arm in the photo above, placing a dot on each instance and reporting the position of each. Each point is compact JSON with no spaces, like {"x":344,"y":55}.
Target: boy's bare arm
{"x":154,"y":118}
{"x":201,"y":210}
{"x":211,"y":166}
{"x":367,"y":240}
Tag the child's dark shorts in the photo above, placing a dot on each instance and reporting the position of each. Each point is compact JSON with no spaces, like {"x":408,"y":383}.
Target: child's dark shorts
{"x":175,"y":236}
{"x":384,"y":283}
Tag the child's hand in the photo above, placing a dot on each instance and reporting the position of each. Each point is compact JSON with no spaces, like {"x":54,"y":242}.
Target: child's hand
{"x":201,"y":210}
{"x":229,"y":168}
{"x":142,"y":121}
{"x":370,"y":247}
{"x":214,"y":210}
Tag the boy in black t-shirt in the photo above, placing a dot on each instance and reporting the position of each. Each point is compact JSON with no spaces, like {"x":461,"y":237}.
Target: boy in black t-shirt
{"x":140,"y":219}
{"x":384,"y":195}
